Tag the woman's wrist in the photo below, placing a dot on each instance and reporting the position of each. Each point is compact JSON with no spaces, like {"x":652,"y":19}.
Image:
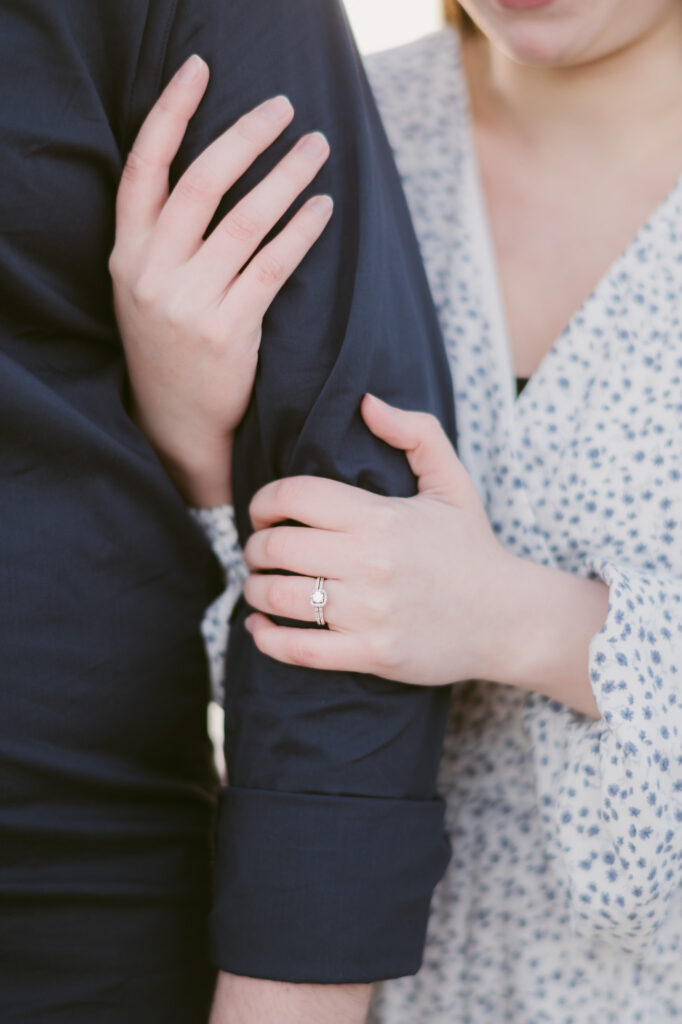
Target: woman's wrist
{"x":200,"y":467}
{"x":543,"y":623}
{"x":205,"y":481}
{"x":202,"y":472}
{"x":208,"y":489}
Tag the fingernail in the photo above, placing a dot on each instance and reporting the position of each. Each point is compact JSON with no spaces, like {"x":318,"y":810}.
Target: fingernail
{"x":322,"y":205}
{"x":248,"y":624}
{"x":373,"y":398}
{"x":190,"y":69}
{"x":314,"y":146}
{"x":276,"y":109}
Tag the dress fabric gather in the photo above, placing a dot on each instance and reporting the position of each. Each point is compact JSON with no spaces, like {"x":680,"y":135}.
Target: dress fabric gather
{"x":563,"y":901}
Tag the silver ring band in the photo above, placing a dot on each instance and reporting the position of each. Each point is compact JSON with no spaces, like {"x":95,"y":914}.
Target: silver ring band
{"x":318,"y":600}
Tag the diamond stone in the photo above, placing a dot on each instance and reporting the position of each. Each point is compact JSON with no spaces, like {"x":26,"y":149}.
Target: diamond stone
{"x":318,"y":598}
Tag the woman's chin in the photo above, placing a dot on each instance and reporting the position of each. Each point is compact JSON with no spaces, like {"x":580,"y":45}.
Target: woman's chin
{"x":543,"y":33}
{"x":540,"y":45}
{"x":565,"y":33}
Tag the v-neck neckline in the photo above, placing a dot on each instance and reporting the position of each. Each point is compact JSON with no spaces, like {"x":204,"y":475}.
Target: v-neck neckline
{"x":490,"y":265}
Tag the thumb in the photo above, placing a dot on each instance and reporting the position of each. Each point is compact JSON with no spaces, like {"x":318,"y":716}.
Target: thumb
{"x":431,"y":457}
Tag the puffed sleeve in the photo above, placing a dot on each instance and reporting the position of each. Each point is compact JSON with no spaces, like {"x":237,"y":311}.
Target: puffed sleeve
{"x":610,"y":791}
{"x":220,"y":529}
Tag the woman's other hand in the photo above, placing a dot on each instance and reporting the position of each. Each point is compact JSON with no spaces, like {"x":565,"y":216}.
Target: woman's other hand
{"x":190,"y":309}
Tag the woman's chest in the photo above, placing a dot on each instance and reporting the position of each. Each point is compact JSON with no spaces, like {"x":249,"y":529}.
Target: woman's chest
{"x":556,"y":230}
{"x":589,"y":465}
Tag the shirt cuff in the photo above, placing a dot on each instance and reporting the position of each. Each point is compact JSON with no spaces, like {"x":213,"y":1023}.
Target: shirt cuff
{"x":324,"y":889}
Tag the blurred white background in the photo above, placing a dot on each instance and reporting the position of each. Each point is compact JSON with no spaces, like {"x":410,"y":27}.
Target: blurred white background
{"x":380,"y":24}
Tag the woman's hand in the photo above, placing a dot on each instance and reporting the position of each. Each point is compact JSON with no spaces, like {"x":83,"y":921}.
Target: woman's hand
{"x":420,"y":590}
{"x":190,"y":310}
{"x":414,"y":584}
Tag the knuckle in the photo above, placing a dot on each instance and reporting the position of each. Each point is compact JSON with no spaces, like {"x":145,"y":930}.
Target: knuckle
{"x":269,"y":269}
{"x":249,"y":128}
{"x":306,"y":228}
{"x":379,"y":568}
{"x":134,"y":166}
{"x":240,"y":226}
{"x":166,"y":104}
{"x":288,"y":492}
{"x":386,"y":519}
{"x":177,"y":317}
{"x":430,"y":424}
{"x":195,"y":187}
{"x":116,"y":268}
{"x":277,"y":595}
{"x":294,"y":172}
{"x":385,"y":651}
{"x":145,"y":291}
{"x":211,"y":336}
{"x":274,"y":547}
{"x":378,"y":606}
{"x":301,"y":651}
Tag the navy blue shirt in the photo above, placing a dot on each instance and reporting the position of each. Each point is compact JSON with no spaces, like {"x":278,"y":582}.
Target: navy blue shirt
{"x":329,"y":841}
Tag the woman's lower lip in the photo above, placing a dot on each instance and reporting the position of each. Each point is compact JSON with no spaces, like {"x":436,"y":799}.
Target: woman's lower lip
{"x":523,"y":5}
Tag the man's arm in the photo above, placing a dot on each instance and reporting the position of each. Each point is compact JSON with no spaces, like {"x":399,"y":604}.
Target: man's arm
{"x":330,"y":837}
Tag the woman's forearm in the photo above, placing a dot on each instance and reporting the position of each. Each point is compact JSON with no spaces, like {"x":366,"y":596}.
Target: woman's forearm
{"x":544,"y":625}
{"x":200,"y":467}
{"x":203,"y":477}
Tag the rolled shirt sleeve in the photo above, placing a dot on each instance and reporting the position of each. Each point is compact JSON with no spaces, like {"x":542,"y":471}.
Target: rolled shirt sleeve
{"x":330,"y":836}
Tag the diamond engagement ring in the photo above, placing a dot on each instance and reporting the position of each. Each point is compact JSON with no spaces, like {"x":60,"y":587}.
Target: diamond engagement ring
{"x":318,"y":600}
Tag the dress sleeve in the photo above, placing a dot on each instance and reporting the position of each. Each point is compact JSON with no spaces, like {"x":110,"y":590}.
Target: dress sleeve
{"x":611,"y":791}
{"x":220,"y":529}
{"x":330,"y":836}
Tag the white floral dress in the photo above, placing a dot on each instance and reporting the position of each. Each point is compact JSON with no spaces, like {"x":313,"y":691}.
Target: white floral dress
{"x":563,"y":900}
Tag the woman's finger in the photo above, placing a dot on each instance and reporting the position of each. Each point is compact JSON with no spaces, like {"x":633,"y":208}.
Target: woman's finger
{"x":289,"y":597}
{"x":308,"y":648}
{"x":234,"y":241}
{"x":325,"y":504}
{"x":299,"y":550}
{"x":144,"y":184}
{"x":256,"y":288}
{"x":431,"y":457}
{"x":195,"y":198}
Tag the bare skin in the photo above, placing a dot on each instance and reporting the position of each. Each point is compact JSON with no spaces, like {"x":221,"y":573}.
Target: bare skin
{"x":252,"y":1001}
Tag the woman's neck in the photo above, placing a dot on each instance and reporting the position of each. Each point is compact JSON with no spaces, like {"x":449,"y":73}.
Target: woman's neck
{"x":628,"y":94}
